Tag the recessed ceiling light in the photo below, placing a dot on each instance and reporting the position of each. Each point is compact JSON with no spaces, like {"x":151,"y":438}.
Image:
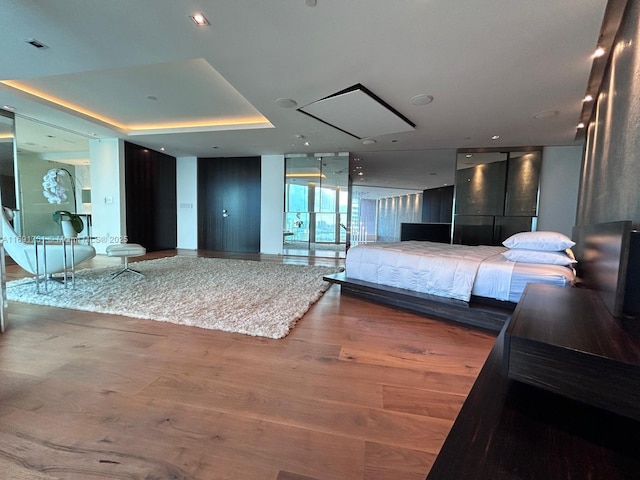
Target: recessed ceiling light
{"x":200,"y":20}
{"x":587,"y":98}
{"x":495,"y":137}
{"x":469,"y":155}
{"x":599,"y":52}
{"x":360,"y":173}
{"x":151,"y":97}
{"x":9,"y":107}
{"x":546,"y":114}
{"x":580,"y":125}
{"x":286,"y":103}
{"x":422,"y":99}
{"x":306,"y":144}
{"x":368,"y":141}
{"x":162,"y":149}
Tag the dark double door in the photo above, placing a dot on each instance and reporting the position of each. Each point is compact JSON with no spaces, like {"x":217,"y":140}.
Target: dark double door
{"x":229,"y":204}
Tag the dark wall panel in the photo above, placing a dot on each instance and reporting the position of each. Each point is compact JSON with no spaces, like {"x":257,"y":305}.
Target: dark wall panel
{"x":480,"y":190}
{"x":150,"y":179}
{"x":437,"y":205}
{"x":523,"y":185}
{"x":229,"y":204}
{"x":609,"y":183}
{"x":496,"y":200}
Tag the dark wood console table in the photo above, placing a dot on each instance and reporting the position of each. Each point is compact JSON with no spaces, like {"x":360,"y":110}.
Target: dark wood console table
{"x":512,"y":430}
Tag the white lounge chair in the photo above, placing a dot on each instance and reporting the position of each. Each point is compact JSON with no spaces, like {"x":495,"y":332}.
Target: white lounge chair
{"x":25,"y":253}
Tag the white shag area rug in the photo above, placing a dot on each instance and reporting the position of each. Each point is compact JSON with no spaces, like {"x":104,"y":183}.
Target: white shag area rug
{"x":254,"y":298}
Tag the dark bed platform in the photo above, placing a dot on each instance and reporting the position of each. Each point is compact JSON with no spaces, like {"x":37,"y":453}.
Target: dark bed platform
{"x":609,"y":261}
{"x":479,"y":312}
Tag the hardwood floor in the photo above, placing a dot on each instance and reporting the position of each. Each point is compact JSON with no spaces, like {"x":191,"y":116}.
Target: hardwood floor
{"x":355,"y":391}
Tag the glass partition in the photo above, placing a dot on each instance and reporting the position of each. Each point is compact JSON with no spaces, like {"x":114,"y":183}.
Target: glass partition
{"x":316,"y":204}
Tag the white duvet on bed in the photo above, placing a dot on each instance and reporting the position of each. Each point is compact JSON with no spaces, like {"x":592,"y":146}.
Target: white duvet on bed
{"x":455,"y":271}
{"x":428,"y":267}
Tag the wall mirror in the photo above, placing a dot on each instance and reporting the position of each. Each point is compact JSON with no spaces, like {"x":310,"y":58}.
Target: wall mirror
{"x":316,"y":204}
{"x":400,"y":189}
{"x":496,"y":195}
{"x":7,"y":161}
{"x":41,"y":147}
{"x":7,"y":189}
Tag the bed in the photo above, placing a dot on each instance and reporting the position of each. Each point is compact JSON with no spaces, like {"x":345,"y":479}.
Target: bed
{"x":478,"y":285}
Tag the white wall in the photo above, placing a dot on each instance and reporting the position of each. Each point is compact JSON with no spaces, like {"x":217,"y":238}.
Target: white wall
{"x":272,"y":204}
{"x":187,"y":199}
{"x":107,"y":192}
{"x":83,"y":181}
{"x":559,"y":181}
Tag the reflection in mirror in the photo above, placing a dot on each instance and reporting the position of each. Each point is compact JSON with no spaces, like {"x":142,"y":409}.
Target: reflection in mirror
{"x":377,"y":213}
{"x":316,"y":204}
{"x":40,"y":148}
{"x":402,"y":195}
{"x":496,"y":195}
{"x":7,"y":161}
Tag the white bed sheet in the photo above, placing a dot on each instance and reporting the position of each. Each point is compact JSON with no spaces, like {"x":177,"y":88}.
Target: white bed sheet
{"x":524,"y":273}
{"x":403,"y":265}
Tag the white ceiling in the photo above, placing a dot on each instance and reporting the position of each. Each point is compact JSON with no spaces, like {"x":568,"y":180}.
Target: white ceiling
{"x":490,"y":65}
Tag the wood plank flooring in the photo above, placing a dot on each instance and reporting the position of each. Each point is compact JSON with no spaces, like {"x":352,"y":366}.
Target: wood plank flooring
{"x":355,"y":391}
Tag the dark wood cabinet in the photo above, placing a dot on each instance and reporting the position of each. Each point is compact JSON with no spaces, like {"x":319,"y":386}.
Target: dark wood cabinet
{"x":150,"y":179}
{"x":580,"y":372}
{"x":437,"y":205}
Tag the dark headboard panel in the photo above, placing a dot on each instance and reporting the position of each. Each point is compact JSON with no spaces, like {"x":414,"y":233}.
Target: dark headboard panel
{"x":426,"y":232}
{"x":632,"y":288}
{"x":602,"y":251}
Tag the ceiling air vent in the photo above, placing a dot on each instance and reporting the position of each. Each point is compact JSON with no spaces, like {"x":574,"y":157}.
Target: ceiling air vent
{"x":35,"y":43}
{"x":358,"y":112}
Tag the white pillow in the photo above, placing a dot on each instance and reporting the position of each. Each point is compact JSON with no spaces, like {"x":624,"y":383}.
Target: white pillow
{"x":545,"y":241}
{"x":538,"y":256}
